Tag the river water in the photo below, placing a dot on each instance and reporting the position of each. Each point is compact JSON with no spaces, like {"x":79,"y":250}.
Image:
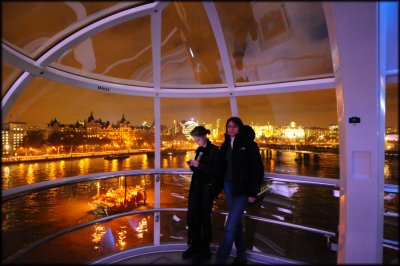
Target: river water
{"x":327,"y":166}
{"x":36,"y":215}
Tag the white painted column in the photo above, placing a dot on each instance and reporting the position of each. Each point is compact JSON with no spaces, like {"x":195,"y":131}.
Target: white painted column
{"x":234,"y":107}
{"x":354,"y":36}
{"x":156,"y":48}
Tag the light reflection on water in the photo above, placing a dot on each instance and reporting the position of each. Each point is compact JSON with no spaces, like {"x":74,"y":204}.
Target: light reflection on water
{"x":6,"y":174}
{"x":327,"y":166}
{"x":62,"y":168}
{"x":84,"y":166}
{"x":30,"y":175}
{"x":52,"y":168}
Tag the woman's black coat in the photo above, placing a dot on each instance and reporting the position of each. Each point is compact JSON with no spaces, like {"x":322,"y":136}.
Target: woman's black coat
{"x":248,"y":168}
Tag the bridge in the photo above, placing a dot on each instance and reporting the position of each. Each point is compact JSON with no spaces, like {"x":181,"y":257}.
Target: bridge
{"x":301,"y":155}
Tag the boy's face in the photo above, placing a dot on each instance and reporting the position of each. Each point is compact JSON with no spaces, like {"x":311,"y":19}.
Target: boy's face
{"x":201,"y":141}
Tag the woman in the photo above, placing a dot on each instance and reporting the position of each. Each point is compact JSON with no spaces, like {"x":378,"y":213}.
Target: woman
{"x":243,"y":171}
{"x":201,"y":195}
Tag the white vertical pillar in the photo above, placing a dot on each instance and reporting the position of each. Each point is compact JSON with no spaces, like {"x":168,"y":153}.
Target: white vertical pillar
{"x":234,"y":108}
{"x":156,"y":48}
{"x":354,"y":36}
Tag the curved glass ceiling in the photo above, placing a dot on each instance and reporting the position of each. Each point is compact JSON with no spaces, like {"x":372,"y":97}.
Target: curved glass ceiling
{"x":8,"y":74}
{"x":49,"y":22}
{"x":178,"y":45}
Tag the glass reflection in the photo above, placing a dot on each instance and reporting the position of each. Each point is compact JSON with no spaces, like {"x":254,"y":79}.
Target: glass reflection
{"x":275,"y":41}
{"x":189,"y":52}
{"x":97,"y":235}
{"x":140,"y":226}
{"x":93,"y":241}
{"x":297,"y":132}
{"x":38,"y":16}
{"x":9,"y":75}
{"x":121,"y":233}
{"x":392,"y":202}
{"x":131,"y":62}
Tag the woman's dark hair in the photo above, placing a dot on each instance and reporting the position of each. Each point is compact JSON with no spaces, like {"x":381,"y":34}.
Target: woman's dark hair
{"x":235,"y":120}
{"x":199,"y":131}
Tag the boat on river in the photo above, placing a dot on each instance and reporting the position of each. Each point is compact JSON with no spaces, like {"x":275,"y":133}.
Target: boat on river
{"x":172,"y":151}
{"x":118,"y":200}
{"x":120,"y":156}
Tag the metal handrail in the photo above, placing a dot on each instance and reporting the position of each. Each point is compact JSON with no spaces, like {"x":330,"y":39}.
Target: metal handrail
{"x":39,"y":242}
{"x":391,"y":244}
{"x":24,"y":190}
{"x":304,"y":180}
{"x":390,"y":188}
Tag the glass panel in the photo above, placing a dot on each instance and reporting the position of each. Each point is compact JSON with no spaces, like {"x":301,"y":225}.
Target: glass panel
{"x":121,"y":52}
{"x":391,"y":227}
{"x":284,"y":202}
{"x":275,"y":41}
{"x":391,"y":172}
{"x":56,"y":126}
{"x":92,"y":242}
{"x":174,"y":190}
{"x":68,"y":206}
{"x":392,"y":31}
{"x":189,"y":52}
{"x":297,"y":132}
{"x":44,"y":19}
{"x":173,"y":227}
{"x":392,"y":134}
{"x":291,"y":203}
{"x":294,"y":244}
{"x":180,"y":116}
{"x":9,"y":76}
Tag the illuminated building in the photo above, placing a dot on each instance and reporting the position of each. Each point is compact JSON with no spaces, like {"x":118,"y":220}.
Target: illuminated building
{"x":187,"y":127}
{"x":12,"y":135}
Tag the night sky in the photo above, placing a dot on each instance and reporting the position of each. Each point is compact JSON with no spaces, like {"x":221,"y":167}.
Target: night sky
{"x":44,"y":100}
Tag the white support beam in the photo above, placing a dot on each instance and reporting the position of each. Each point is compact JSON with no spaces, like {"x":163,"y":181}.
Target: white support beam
{"x":156,"y":46}
{"x":353,"y":29}
{"x":219,"y":37}
{"x":13,"y":93}
{"x":98,"y":26}
{"x":234,"y":108}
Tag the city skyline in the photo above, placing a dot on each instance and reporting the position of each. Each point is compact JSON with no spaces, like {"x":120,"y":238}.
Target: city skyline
{"x":68,"y":104}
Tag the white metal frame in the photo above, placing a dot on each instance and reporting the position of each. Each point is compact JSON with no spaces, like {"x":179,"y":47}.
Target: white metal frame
{"x":354,"y":36}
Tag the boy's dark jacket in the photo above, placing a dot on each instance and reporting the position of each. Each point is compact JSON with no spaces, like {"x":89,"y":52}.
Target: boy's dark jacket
{"x":248,"y":168}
